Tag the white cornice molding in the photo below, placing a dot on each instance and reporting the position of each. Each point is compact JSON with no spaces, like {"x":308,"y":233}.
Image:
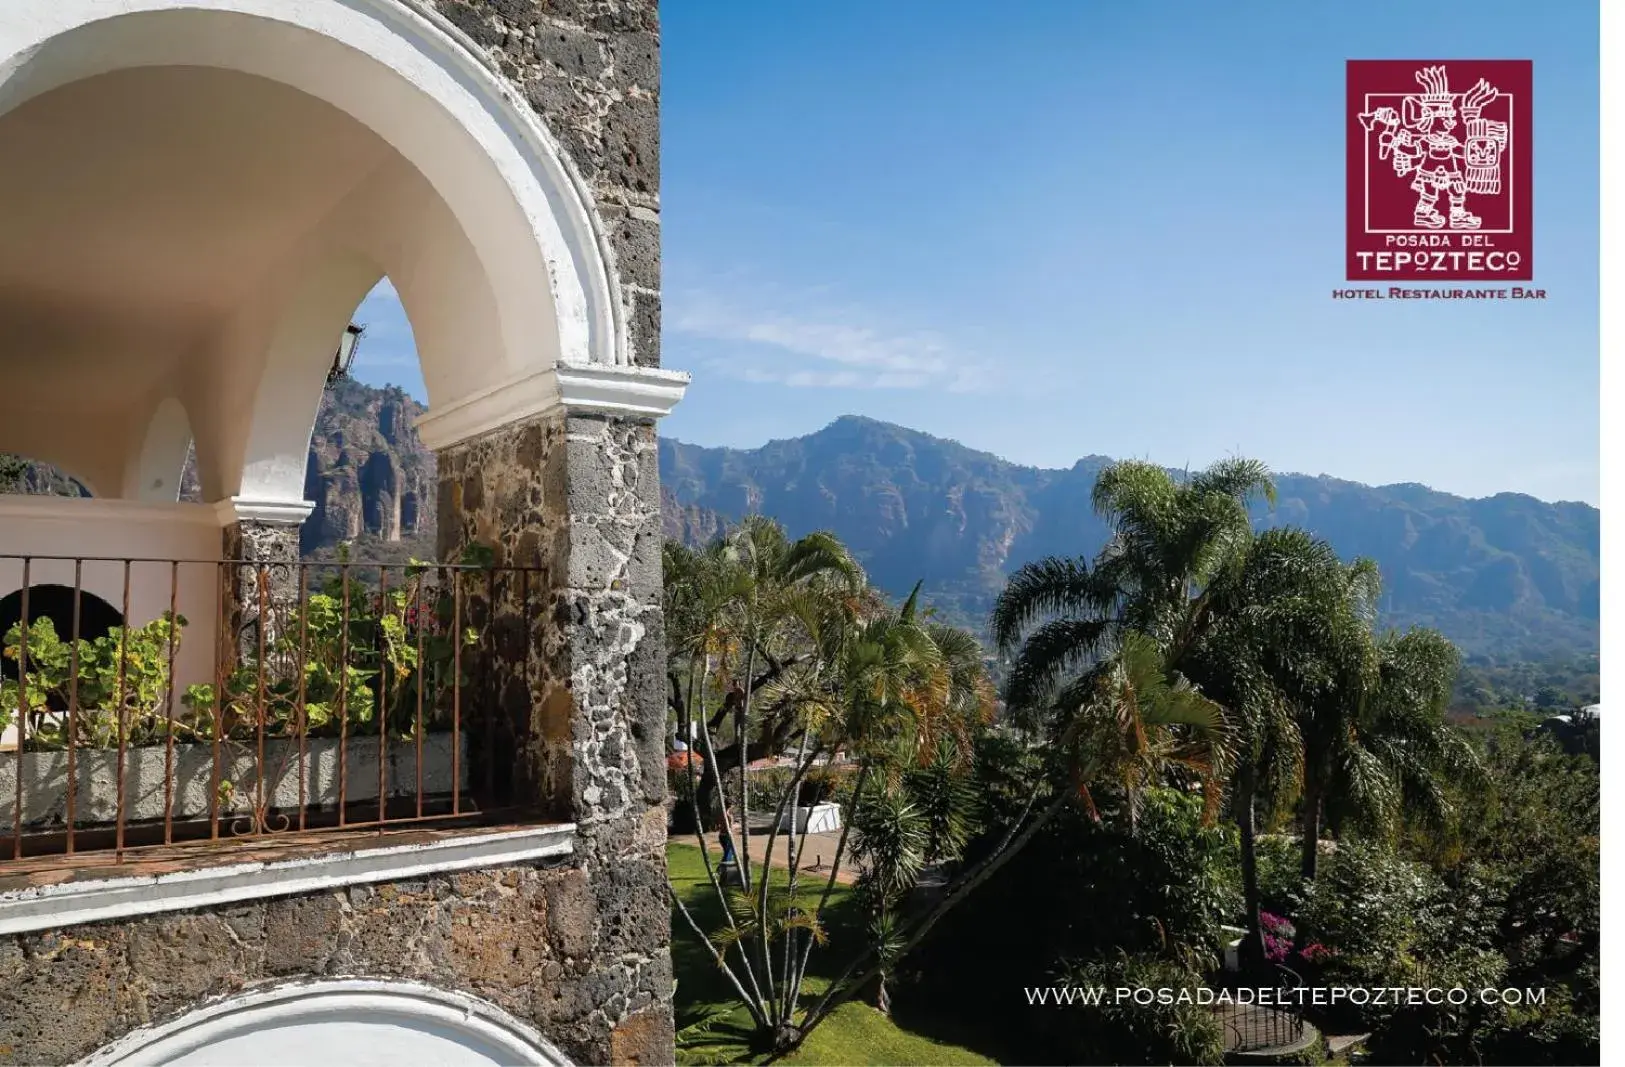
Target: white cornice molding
{"x":641,"y":391}
{"x":579,"y":389}
{"x":274,"y":512}
{"x":51,"y":907}
{"x":82,"y":509}
{"x":347,"y":1010}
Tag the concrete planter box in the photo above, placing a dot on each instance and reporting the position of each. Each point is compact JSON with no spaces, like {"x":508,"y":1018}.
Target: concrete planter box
{"x":45,"y":790}
{"x":1233,"y":937}
{"x":818,"y":819}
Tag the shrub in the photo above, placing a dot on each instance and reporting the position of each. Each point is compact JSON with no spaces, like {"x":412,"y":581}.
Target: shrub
{"x":1372,"y":908}
{"x":1079,"y":893}
{"x":327,"y":674}
{"x":322,"y":676}
{"x":825,"y":784}
{"x":119,"y":681}
{"x":1280,"y":877}
{"x":1135,"y":1032}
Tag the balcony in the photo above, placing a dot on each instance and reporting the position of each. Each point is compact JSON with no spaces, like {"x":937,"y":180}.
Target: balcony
{"x":165,"y":715}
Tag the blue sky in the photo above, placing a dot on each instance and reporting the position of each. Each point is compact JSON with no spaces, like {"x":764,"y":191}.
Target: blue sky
{"x":1060,"y":227}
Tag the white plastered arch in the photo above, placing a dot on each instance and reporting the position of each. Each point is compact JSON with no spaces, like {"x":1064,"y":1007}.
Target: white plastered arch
{"x":515,"y":247}
{"x":412,"y":79}
{"x":393,"y":224}
{"x":356,"y":1021}
{"x":153,"y":472}
{"x":407,"y":76}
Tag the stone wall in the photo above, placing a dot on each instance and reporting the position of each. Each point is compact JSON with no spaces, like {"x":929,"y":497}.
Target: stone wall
{"x":530,"y":940}
{"x":591,"y":69}
{"x":579,"y":499}
{"x":576,"y":500}
{"x":581,"y":950}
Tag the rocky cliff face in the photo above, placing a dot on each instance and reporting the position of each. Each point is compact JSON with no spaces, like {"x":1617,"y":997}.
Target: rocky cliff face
{"x":371,"y":479}
{"x":368,"y":474}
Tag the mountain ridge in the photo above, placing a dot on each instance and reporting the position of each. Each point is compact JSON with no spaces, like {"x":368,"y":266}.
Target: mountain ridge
{"x":1496,"y":573}
{"x":1100,"y":457}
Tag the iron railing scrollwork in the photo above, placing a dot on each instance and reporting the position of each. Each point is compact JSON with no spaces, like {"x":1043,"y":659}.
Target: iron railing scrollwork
{"x":328,"y":695}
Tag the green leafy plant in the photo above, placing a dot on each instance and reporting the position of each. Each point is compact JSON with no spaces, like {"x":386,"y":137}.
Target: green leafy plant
{"x":1134,"y":1032}
{"x":333,"y":664}
{"x":102,"y":689}
{"x":348,"y":655}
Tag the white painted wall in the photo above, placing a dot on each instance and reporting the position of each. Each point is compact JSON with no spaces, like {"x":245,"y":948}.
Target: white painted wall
{"x":100,"y":532}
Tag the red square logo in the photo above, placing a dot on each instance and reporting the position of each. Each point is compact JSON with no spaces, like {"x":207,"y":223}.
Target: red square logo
{"x":1440,"y":171}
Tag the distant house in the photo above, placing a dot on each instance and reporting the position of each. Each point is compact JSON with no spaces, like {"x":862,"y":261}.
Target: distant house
{"x":1577,"y":731}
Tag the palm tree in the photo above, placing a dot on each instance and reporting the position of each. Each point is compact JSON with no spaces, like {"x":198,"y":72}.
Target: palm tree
{"x":843,"y":672}
{"x":1399,"y":754}
{"x":1369,"y":712}
{"x":899,"y":692}
{"x":1249,"y":622}
{"x":892,"y":842}
{"x":1170,"y":540}
{"x":727,"y":606}
{"x":730,"y":605}
{"x":1298,"y":642}
{"x":1131,"y":724}
{"x":1144,"y":607}
{"x":1159,"y":722}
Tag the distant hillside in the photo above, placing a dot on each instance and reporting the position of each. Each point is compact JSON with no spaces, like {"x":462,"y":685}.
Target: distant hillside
{"x":1507,"y":574}
{"x":371,"y":479}
{"x":34,"y":479}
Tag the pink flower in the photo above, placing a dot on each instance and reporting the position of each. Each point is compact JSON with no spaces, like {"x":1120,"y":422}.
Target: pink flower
{"x":1275,"y":923}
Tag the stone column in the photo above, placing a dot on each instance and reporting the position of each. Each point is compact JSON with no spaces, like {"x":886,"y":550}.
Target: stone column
{"x":257,"y":538}
{"x":574,"y":495}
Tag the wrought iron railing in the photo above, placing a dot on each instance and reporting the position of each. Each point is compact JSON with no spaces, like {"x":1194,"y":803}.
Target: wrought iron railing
{"x":148,"y":702}
{"x":1276,"y":1023}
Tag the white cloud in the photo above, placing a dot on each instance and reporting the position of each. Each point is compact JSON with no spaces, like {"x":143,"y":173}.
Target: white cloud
{"x":819,"y":348}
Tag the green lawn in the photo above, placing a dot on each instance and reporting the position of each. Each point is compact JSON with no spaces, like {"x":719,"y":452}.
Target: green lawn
{"x":854,"y":1034}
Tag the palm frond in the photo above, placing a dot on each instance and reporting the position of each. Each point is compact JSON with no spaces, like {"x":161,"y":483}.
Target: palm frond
{"x":1238,"y":478}
{"x":1038,"y":590}
{"x":1056,"y":649}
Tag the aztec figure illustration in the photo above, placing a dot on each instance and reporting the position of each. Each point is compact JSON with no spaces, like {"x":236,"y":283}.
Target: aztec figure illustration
{"x":1421,"y":141}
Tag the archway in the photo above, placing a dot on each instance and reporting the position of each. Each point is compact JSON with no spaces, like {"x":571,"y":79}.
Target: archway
{"x":95,"y":618}
{"x":356,"y":1022}
{"x":244,"y":172}
{"x":154,"y":473}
